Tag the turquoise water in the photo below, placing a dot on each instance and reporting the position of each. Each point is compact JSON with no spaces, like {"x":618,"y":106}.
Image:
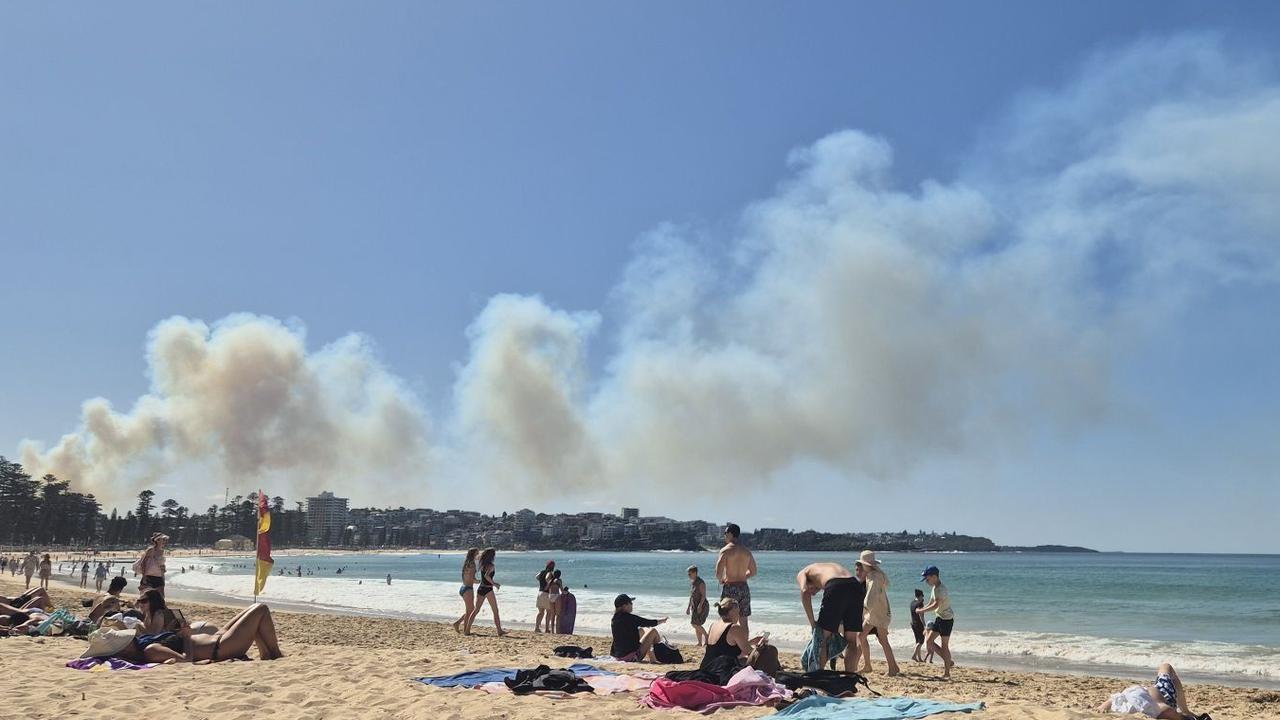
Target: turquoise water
{"x":1215,"y":615}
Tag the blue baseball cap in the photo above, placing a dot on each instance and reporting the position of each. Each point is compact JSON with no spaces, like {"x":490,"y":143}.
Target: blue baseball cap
{"x":931,"y":570}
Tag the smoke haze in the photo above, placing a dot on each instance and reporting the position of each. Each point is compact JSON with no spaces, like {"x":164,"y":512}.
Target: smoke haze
{"x":849,"y":322}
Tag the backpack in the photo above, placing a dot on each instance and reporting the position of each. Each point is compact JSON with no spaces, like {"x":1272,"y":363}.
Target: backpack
{"x":667,"y":654}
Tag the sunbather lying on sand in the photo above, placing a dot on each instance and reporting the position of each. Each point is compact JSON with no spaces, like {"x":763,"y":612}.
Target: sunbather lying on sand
{"x":36,"y":597}
{"x":1165,"y":699}
{"x":167,"y":638}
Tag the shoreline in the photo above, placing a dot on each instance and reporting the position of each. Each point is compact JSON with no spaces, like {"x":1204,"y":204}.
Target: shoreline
{"x":362,"y":667}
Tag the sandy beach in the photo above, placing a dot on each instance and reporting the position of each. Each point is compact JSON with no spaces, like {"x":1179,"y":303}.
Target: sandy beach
{"x":343,"y":666}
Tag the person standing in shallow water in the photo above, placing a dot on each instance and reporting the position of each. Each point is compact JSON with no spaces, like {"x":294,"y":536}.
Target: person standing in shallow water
{"x":698,"y":605}
{"x":734,"y":567}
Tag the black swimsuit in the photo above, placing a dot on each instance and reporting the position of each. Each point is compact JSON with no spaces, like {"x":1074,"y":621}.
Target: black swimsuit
{"x":486,"y":580}
{"x":721,"y":648}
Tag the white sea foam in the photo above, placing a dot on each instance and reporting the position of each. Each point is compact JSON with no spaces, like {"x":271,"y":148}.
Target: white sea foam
{"x":439,"y":600}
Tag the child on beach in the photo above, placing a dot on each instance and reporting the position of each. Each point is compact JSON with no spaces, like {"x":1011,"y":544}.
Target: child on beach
{"x":553,"y":599}
{"x":917,"y":624}
{"x":944,"y":618}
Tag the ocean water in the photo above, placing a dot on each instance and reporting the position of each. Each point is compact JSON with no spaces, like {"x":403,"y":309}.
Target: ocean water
{"x":1213,"y":616}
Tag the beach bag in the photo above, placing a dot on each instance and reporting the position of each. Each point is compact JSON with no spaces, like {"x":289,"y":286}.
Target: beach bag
{"x":765,"y":659}
{"x":105,"y":642}
{"x":667,"y":654}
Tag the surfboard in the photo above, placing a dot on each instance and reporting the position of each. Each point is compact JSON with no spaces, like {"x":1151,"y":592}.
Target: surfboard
{"x":568,"y":613}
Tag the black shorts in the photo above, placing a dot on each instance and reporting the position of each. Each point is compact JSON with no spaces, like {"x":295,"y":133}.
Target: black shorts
{"x":943,"y":627}
{"x":484,"y":590}
{"x":152,"y":581}
{"x":918,"y":631}
{"x":842,"y":605}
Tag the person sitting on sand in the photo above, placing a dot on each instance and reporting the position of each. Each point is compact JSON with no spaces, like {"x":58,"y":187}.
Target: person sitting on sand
{"x":629,"y":644}
{"x":727,"y":637}
{"x":1165,"y":699}
{"x":104,"y":605}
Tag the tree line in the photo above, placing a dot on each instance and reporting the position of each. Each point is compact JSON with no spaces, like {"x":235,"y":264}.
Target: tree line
{"x":45,"y":512}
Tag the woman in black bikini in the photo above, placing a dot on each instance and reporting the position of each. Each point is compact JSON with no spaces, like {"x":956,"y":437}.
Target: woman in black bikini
{"x":467,"y":591}
{"x":486,"y":590}
{"x":252,"y":626}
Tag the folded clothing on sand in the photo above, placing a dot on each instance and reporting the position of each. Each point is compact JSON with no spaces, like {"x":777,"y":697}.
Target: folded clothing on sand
{"x":830,"y":682}
{"x":572,"y":651}
{"x":821,"y":707}
{"x":543,"y":678}
{"x":476,"y":678}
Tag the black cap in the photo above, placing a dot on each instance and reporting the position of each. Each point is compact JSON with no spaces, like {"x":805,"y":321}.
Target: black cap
{"x":621,"y":600}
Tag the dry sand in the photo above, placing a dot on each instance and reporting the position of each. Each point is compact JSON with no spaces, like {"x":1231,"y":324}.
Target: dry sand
{"x":341,"y":666}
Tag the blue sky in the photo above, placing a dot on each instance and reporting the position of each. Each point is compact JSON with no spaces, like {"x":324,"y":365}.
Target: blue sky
{"x":388,"y":171}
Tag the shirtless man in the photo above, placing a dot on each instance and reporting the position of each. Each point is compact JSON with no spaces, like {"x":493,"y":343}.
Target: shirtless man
{"x":734,"y":567}
{"x":842,"y":597}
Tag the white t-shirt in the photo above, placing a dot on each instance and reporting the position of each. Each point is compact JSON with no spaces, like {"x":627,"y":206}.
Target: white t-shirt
{"x":940,"y":595}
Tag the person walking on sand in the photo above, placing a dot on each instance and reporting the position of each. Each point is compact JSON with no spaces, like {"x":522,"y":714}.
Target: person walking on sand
{"x":487,"y":589}
{"x":842,"y":596}
{"x":698,"y":605}
{"x":46,"y":570}
{"x":543,"y":603}
{"x":467,"y":591}
{"x":944,"y":618}
{"x":29,"y":564}
{"x":877,"y":614}
{"x":84,"y":574}
{"x":734,"y":567}
{"x":917,"y":624}
{"x":99,"y":576}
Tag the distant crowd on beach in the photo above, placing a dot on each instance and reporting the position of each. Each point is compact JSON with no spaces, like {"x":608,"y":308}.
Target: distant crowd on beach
{"x":853,"y":608}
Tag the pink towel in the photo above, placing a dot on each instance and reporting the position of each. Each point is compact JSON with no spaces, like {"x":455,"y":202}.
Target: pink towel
{"x":747,"y":687}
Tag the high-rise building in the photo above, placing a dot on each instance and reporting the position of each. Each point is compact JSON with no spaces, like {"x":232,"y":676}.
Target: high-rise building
{"x":630,"y":513}
{"x":326,"y":518}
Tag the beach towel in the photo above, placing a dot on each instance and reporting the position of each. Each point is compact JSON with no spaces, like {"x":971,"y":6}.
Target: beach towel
{"x":821,"y":707}
{"x":600,"y":684}
{"x":103,"y":664}
{"x":476,"y":678}
{"x":835,"y":645}
{"x":748,"y":687}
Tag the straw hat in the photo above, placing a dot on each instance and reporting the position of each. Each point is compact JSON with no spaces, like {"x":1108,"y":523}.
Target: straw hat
{"x":105,"y":642}
{"x":868,"y":557}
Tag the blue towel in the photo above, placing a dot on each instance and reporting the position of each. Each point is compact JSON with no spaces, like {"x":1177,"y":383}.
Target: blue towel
{"x":475,"y":678}
{"x":835,"y":645}
{"x":821,"y":707}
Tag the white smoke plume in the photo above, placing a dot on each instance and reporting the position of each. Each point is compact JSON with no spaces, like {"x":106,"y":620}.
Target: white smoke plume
{"x":245,"y":399}
{"x":865,"y":327}
{"x":849,"y":321}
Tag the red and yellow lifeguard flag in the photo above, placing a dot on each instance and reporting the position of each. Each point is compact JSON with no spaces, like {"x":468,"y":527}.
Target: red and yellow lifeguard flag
{"x":264,"y":544}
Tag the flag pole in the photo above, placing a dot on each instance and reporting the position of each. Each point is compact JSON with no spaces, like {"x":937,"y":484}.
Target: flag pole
{"x":257,"y":506}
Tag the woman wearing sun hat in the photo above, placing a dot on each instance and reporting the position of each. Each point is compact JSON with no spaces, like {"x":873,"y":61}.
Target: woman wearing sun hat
{"x":876,"y":613}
